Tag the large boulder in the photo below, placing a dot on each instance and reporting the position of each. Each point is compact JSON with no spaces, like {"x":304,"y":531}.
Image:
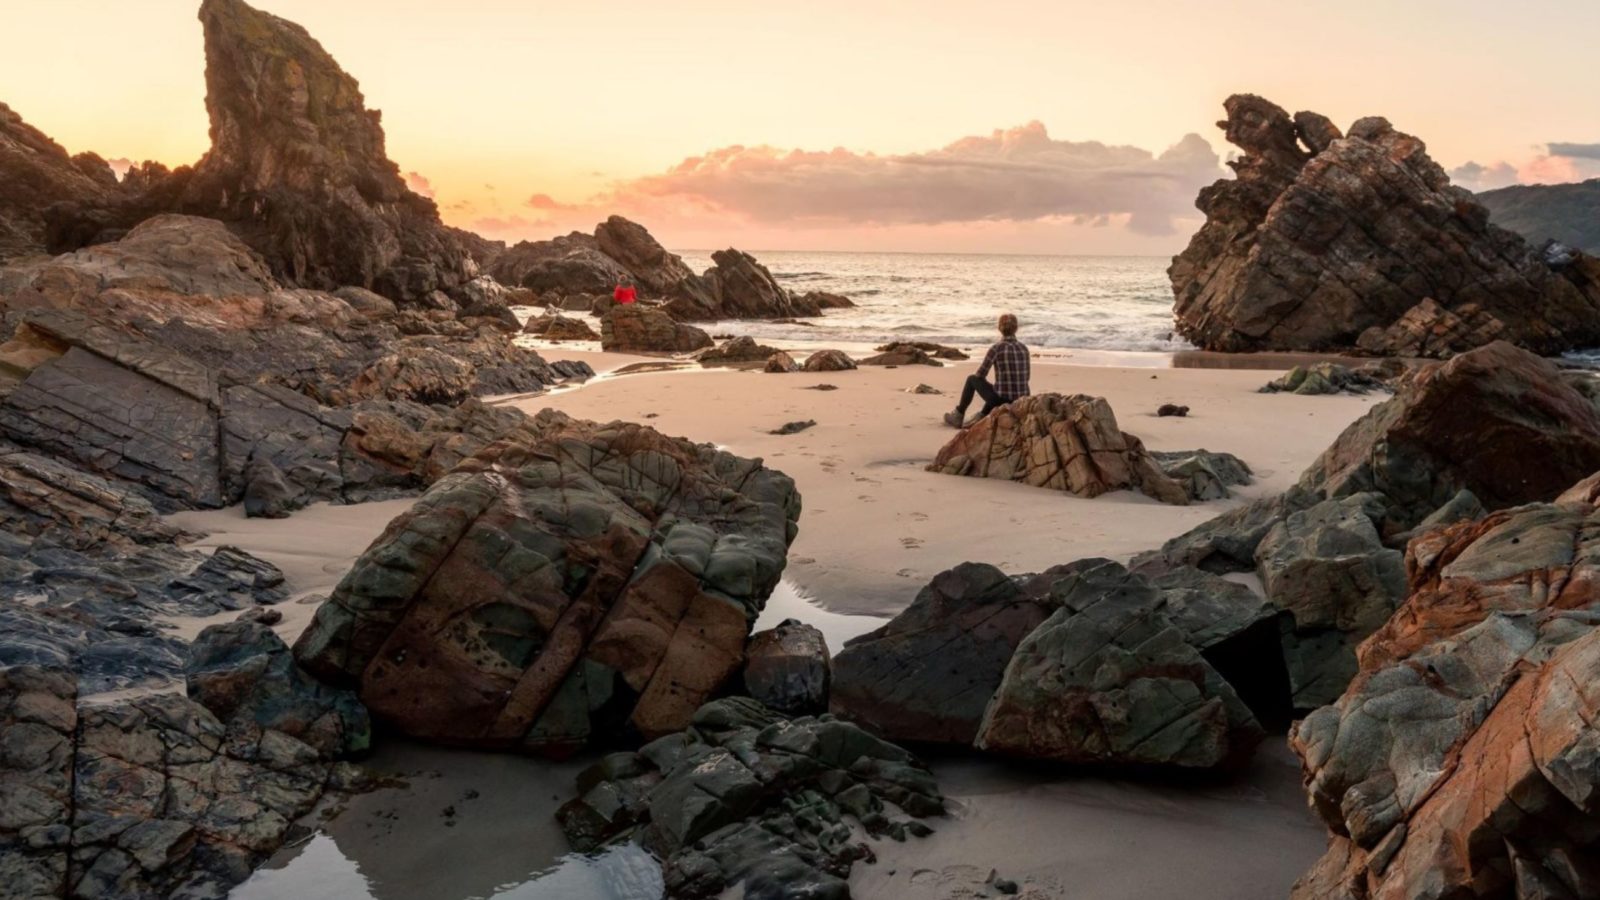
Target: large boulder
{"x":828,"y":361}
{"x":739,"y":351}
{"x":736,"y":287}
{"x":748,"y":800}
{"x":1109,"y":678}
{"x":595,"y":580}
{"x":1065,"y":443}
{"x":1498,"y":421}
{"x":928,"y":674}
{"x":1464,"y":759}
{"x":1325,"y":242}
{"x":635,"y":328}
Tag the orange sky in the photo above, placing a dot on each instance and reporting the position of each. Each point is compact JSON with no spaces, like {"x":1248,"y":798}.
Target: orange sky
{"x":496,"y":101}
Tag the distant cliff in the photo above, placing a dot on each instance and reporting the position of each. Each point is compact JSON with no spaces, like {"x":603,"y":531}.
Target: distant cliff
{"x":1569,"y":213}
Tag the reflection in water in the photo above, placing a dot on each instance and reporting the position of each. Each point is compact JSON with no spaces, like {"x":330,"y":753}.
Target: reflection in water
{"x":462,"y":825}
{"x":788,"y":601}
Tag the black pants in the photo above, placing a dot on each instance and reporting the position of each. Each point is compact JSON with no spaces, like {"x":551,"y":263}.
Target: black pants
{"x":982,"y":388}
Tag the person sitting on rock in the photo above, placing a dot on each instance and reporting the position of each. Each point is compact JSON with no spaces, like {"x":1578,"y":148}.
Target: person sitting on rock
{"x":625,"y":292}
{"x":1009,"y":360}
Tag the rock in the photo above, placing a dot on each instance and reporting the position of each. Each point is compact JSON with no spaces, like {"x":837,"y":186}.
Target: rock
{"x":1171,"y":409}
{"x":736,"y":287}
{"x":748,"y":798}
{"x":738,"y":351}
{"x":246,"y":676}
{"x":823,"y":387}
{"x":367,"y":303}
{"x":928,"y":674}
{"x":560,"y":328}
{"x":602,"y":580}
{"x":1108,"y":678}
{"x":78,"y":510}
{"x":780,"y":363}
{"x":297,"y":167}
{"x":1065,"y":443}
{"x":822,"y":300}
{"x":1328,"y":378}
{"x":937,"y":351}
{"x":658,"y":272}
{"x":786,"y":668}
{"x":1360,"y":242}
{"x":567,"y":266}
{"x":1462,"y":759}
{"x":1328,"y":570}
{"x":828,"y":361}
{"x":633,"y":328}
{"x":267,"y":494}
{"x":1203,"y":474}
{"x":36,"y":173}
{"x":926,"y":389}
{"x":902,"y":353}
{"x":423,"y":375}
{"x":1497,"y":421}
{"x":794,"y":427}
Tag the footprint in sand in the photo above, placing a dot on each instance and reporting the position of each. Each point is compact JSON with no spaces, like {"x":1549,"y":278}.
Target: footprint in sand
{"x":802,"y":560}
{"x":911,"y":543}
{"x":919,"y":517}
{"x":906,"y":573}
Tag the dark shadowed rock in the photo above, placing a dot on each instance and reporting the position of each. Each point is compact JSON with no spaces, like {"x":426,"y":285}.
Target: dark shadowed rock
{"x":937,"y":351}
{"x":738,"y":351}
{"x":1109,"y":678}
{"x":1331,"y":378}
{"x":787,"y":668}
{"x":928,"y":674}
{"x":746,"y":799}
{"x":902,"y":353}
{"x":1065,"y":443}
{"x":1204,"y":475}
{"x":35,"y":173}
{"x":1361,"y":242}
{"x":657,"y":271}
{"x":780,"y":363}
{"x":635,"y":328}
{"x":601,"y":579}
{"x":572,"y":264}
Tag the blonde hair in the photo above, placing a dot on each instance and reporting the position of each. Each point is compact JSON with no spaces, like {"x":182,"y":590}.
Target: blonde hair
{"x":1008,"y":325}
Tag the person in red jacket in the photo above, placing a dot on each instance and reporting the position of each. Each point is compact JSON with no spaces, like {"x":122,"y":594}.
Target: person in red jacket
{"x":625,"y":292}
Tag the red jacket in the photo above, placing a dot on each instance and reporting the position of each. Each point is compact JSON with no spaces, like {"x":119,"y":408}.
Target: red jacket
{"x":624,"y":294}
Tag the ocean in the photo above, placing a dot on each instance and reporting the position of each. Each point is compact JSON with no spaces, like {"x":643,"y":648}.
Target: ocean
{"x":1117,"y":303}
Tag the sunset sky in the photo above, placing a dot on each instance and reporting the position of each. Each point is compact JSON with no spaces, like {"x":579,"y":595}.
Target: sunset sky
{"x":1005,"y":126}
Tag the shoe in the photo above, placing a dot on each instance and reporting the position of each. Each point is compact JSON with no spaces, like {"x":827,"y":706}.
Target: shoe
{"x":953,"y":419}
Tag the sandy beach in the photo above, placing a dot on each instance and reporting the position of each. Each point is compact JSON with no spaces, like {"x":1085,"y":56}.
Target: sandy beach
{"x":875,"y":528}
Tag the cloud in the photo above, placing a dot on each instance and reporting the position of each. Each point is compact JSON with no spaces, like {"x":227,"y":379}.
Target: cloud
{"x":546,"y":202}
{"x":1477,"y":177}
{"x":120,"y":166}
{"x":1574,"y":151}
{"x":419,"y":184}
{"x":1560,"y":163}
{"x":1016,"y":175}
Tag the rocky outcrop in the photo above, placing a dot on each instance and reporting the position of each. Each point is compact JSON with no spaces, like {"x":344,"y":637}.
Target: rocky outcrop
{"x":902,"y":353}
{"x":1110,"y":678}
{"x":563,"y":266}
{"x":599,"y":580}
{"x":780,"y":363}
{"x":748,"y":800}
{"x":787,"y":668}
{"x":35,"y":174}
{"x":1203,"y":474}
{"x":297,"y":167}
{"x":828,"y":361}
{"x":937,"y":351}
{"x":636,"y":328}
{"x":1462,"y":761}
{"x":1330,"y":242}
{"x":660,"y":273}
{"x":157,"y":796}
{"x":554,"y":327}
{"x":1065,"y":443}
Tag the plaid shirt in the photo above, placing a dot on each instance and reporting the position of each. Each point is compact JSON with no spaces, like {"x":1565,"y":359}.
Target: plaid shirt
{"x":1009,"y":358}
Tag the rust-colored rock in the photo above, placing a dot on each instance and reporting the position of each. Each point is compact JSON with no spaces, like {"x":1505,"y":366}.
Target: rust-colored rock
{"x":636,"y":328}
{"x":571,"y":580}
{"x":1326,"y":242}
{"x":1065,"y":443}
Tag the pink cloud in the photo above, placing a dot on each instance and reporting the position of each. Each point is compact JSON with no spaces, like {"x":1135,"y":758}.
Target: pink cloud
{"x":419,"y":184}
